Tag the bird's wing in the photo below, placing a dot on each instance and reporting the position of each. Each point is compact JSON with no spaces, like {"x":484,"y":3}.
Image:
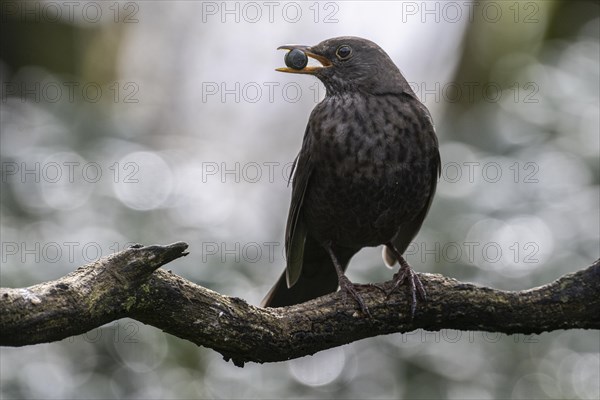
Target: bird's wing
{"x":296,"y":230}
{"x":408,"y":231}
{"x":317,"y":279}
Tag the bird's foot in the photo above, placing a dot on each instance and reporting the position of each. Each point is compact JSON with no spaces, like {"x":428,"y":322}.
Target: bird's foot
{"x":368,"y":286}
{"x":406,"y":273}
{"x":349,"y":288}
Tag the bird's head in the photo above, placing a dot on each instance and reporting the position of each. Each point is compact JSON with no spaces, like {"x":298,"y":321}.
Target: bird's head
{"x":348,"y":64}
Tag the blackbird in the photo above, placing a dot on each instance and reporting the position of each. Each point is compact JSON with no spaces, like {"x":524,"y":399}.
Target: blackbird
{"x":365,"y":175}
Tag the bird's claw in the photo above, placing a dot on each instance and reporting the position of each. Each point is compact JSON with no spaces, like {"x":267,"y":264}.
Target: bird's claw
{"x":367,"y":286}
{"x":349,"y":288}
{"x":406,"y":273}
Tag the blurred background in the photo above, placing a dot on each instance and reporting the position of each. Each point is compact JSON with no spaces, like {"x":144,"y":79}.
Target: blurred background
{"x":155,"y":122}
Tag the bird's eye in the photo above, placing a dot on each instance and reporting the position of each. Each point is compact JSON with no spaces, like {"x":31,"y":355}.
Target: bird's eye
{"x":343,"y":52}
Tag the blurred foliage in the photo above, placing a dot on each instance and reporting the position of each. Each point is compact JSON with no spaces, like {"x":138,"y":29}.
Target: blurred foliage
{"x":519,"y":92}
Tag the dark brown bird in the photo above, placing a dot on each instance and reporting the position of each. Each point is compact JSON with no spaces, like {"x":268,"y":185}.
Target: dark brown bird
{"x":365,"y":176}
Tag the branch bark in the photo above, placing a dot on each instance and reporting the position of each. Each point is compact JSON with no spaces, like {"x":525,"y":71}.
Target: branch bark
{"x":128,"y":284}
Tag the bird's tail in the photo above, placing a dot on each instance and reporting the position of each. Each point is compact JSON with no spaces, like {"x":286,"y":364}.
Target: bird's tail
{"x":318,"y":278}
{"x":309,"y":286}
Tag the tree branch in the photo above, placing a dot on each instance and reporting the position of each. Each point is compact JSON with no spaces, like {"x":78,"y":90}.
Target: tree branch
{"x":127,"y":284}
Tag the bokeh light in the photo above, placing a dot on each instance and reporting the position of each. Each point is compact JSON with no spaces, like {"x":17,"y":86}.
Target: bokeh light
{"x":165,"y":121}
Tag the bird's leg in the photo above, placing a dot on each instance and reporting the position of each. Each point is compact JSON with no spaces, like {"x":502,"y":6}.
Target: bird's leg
{"x":406,"y":273}
{"x":346,"y":286}
{"x":367,"y":286}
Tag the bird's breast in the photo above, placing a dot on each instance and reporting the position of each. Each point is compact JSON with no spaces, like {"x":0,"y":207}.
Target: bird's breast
{"x":370,"y":164}
{"x":374,"y":135}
